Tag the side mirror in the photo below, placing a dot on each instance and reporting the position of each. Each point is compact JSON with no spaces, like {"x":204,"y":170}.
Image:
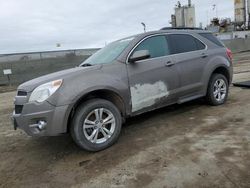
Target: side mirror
{"x":139,"y":55}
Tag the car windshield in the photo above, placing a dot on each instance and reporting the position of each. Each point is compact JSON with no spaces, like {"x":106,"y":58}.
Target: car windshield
{"x":109,"y":53}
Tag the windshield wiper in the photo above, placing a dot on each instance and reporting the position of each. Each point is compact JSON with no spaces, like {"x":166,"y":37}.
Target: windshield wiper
{"x":86,"y":65}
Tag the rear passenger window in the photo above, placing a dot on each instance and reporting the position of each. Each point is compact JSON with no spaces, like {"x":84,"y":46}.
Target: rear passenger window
{"x":157,"y":46}
{"x":212,"y":38}
{"x":181,"y":43}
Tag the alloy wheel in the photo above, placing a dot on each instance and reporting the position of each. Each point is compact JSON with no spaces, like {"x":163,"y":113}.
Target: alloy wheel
{"x":99,"y":125}
{"x":220,"y":90}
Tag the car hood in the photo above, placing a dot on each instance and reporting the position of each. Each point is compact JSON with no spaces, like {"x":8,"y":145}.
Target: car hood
{"x":32,"y":84}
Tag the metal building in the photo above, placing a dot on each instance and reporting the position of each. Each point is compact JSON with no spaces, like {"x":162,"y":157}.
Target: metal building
{"x":248,"y":12}
{"x":240,"y":11}
{"x":184,"y":15}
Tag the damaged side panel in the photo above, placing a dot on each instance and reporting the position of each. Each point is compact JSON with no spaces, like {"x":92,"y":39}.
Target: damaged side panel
{"x":146,"y":95}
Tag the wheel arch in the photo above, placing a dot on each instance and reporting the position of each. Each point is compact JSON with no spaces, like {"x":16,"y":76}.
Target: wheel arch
{"x":222,"y":70}
{"x":106,"y":94}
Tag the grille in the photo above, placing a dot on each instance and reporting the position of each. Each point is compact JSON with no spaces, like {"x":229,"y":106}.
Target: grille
{"x":18,"y":109}
{"x":21,"y":93}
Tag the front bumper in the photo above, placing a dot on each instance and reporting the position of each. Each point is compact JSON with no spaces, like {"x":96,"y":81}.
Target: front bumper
{"x":41,"y":119}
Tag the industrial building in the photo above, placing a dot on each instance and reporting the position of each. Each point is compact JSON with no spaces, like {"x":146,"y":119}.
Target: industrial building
{"x":242,"y":14}
{"x":239,"y":28}
{"x":184,"y":15}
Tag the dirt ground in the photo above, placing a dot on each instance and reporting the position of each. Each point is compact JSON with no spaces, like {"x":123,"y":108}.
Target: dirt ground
{"x":189,"y":145}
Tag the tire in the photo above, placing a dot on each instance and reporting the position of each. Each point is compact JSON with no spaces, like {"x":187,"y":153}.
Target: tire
{"x":85,"y":124}
{"x":216,"y":96}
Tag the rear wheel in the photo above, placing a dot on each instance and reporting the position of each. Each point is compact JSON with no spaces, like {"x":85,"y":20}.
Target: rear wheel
{"x":218,"y":88}
{"x":96,"y":125}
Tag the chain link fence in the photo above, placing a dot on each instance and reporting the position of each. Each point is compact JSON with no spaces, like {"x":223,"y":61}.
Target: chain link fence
{"x":27,"y":66}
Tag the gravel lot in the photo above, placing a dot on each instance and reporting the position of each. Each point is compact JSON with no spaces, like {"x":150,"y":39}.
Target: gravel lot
{"x":189,"y":145}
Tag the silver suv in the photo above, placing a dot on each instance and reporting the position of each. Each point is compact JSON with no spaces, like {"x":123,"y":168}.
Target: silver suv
{"x":126,"y":78}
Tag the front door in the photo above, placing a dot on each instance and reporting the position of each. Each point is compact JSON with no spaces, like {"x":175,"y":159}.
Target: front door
{"x":153,"y":81}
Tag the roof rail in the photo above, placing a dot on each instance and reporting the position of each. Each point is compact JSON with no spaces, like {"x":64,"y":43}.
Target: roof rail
{"x":181,"y":28}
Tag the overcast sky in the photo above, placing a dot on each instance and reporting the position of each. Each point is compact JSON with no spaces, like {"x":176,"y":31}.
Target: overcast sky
{"x":37,"y":25}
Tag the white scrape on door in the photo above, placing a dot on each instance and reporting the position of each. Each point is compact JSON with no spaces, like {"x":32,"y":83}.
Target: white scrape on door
{"x":145,"y":95}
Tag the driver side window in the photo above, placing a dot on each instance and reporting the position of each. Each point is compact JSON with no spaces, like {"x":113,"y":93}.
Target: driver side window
{"x":157,"y":46}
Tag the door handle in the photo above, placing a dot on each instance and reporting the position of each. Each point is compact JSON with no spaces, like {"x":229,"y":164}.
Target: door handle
{"x":204,"y":55}
{"x":169,"y":64}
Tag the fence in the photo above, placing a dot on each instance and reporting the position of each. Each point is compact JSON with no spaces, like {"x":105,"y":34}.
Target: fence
{"x":238,"y":45}
{"x":31,"y":65}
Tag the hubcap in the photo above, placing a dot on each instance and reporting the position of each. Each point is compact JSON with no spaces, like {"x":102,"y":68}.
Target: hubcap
{"x":99,"y":125}
{"x":220,"y":90}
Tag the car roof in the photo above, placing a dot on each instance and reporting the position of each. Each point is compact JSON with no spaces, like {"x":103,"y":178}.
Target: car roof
{"x":165,"y":31}
{"x":170,"y":30}
{"x":174,"y":30}
{"x":181,"y":28}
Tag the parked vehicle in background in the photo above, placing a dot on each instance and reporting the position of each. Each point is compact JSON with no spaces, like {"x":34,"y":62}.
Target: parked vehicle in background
{"x":126,"y":78}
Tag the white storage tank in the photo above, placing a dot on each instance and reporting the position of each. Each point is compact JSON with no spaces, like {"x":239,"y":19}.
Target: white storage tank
{"x":240,"y":11}
{"x":248,"y":6}
{"x":185,"y":16}
{"x":189,"y":13}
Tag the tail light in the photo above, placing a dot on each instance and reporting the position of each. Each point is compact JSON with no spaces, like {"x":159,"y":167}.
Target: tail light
{"x":230,"y":54}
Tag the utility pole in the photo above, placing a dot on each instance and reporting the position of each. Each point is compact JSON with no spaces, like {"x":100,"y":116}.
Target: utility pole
{"x":216,"y":10}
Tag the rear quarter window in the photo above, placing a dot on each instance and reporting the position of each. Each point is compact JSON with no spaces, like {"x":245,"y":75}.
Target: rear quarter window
{"x":212,"y":38}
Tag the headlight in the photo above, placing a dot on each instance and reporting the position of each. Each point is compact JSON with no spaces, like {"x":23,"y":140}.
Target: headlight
{"x":43,"y":92}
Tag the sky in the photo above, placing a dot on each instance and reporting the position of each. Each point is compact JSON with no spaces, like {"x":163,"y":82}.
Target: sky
{"x":39,"y":25}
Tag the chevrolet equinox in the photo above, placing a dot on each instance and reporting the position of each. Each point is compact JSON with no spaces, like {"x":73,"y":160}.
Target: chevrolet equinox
{"x":128,"y":77}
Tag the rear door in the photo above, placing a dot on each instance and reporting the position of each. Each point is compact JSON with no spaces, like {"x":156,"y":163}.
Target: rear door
{"x":190,"y":57}
{"x":153,"y":81}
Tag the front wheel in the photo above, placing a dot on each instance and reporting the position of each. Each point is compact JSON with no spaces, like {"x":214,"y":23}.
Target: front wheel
{"x":218,"y":88}
{"x":96,"y":125}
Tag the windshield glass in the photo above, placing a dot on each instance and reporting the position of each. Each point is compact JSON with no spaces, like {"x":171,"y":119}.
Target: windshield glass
{"x":109,"y":53}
